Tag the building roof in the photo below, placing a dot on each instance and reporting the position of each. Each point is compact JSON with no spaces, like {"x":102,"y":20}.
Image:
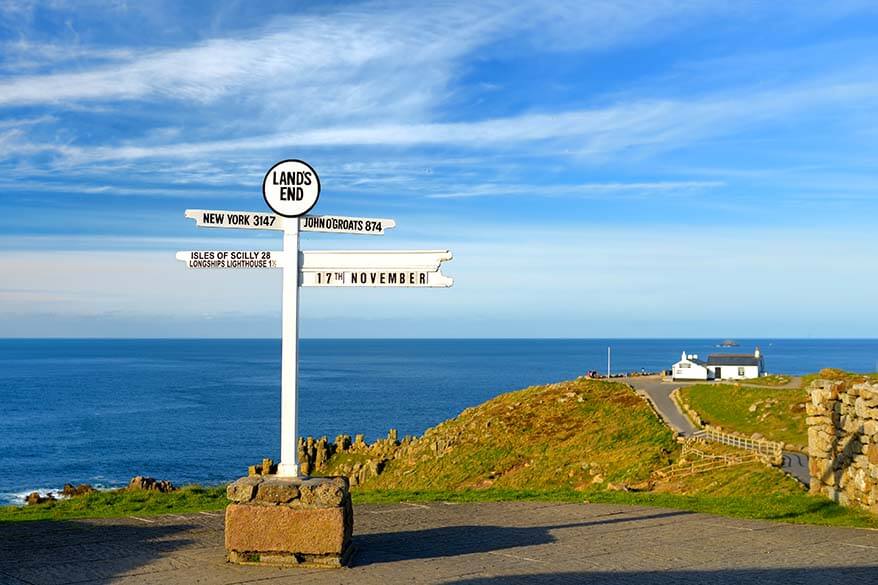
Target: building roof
{"x":695,"y":361}
{"x":732,"y":359}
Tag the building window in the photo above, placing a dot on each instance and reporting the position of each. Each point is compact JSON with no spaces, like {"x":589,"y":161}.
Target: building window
{"x":740,"y":371}
{"x":684,"y":366}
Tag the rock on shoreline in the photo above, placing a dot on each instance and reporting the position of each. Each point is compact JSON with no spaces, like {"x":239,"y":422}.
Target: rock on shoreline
{"x":137,"y":483}
{"x":150,"y":484}
{"x":34,"y":498}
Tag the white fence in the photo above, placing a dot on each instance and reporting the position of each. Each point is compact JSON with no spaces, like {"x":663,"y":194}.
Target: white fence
{"x":770,"y":449}
{"x":694,"y":461}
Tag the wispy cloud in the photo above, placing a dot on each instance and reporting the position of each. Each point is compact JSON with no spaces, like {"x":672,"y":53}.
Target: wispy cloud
{"x":587,"y":189}
{"x":353,"y":61}
{"x":377,"y":75}
{"x":444,"y":118}
{"x":652,"y":123}
{"x":21,"y":55}
{"x":375,"y":58}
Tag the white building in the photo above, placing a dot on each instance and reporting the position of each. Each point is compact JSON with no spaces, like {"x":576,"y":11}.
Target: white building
{"x":690,"y":368}
{"x":720,"y":366}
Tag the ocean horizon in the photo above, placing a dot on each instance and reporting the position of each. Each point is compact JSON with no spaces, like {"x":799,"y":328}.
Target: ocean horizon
{"x":199,"y":410}
{"x":715,"y":340}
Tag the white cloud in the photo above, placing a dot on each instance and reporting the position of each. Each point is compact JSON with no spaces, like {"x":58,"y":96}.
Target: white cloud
{"x":24,"y":122}
{"x":649,"y":124}
{"x":371,"y":90}
{"x":355,"y":61}
{"x":584,"y":189}
{"x":23,"y":55}
{"x":375,"y":75}
{"x":351,"y":60}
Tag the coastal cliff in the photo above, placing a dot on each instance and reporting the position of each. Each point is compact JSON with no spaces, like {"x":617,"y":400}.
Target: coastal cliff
{"x":581,"y":435}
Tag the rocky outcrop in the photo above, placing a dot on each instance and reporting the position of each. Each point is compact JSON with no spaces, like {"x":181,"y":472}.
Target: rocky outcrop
{"x":150,"y":484}
{"x":843,"y":442}
{"x":35,"y":498}
{"x":267,"y":467}
{"x":69,"y":490}
{"x":366,"y":460}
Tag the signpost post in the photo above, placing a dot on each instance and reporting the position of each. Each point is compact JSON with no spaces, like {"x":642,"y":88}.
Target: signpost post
{"x":266,"y":520}
{"x":291,"y":189}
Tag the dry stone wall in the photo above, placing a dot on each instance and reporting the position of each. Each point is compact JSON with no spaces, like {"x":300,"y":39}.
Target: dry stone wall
{"x":843,"y":442}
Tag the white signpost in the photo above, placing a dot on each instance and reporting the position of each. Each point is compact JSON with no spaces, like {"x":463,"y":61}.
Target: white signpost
{"x":364,"y":268}
{"x":345,"y":225}
{"x":291,"y":189}
{"x":231,"y":259}
{"x":307,"y":223}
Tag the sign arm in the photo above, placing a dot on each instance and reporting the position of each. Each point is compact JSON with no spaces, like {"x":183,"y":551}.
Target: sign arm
{"x":291,"y":189}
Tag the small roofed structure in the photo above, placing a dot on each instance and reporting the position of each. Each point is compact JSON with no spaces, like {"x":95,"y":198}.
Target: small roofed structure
{"x":720,"y":366}
{"x":736,"y":366}
{"x":690,"y":368}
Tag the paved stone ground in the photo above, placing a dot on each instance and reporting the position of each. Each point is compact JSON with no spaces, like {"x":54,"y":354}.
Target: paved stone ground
{"x":484,"y":544}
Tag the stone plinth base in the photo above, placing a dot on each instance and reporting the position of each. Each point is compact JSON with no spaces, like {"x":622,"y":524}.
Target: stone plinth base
{"x":289,"y":521}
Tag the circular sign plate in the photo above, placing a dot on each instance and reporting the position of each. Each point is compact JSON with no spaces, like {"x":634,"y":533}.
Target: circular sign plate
{"x":291,"y":188}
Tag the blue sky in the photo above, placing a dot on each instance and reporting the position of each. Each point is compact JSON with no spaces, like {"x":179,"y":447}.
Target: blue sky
{"x":599,"y":169}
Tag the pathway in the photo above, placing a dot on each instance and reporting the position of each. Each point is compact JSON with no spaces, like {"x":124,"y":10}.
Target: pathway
{"x":659,"y":393}
{"x":474,"y":544}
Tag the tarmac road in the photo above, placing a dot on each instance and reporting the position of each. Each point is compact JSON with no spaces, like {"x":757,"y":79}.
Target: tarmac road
{"x":659,"y":394}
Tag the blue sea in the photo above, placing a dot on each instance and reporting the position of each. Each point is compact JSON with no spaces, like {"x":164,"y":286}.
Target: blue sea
{"x":102,"y":411}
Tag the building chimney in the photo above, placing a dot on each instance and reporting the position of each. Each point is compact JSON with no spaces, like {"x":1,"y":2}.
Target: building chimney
{"x":757,"y":354}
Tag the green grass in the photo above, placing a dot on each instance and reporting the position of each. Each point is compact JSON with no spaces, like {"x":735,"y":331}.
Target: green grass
{"x":779,"y":413}
{"x":566,"y":442}
{"x":566,"y":435}
{"x":798,"y":508}
{"x":752,"y":479}
{"x":122,"y":503}
{"x":390,"y":496}
{"x":771,"y":380}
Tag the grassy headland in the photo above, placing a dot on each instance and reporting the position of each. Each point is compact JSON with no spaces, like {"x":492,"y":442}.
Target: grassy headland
{"x":584,"y":440}
{"x":570,"y":435}
{"x":776,"y":413}
{"x":767,"y":405}
{"x":578,"y":441}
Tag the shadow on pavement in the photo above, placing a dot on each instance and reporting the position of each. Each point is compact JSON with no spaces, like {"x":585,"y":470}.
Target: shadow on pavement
{"x":468,"y":539}
{"x":788,"y":576}
{"x":37,"y":552}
